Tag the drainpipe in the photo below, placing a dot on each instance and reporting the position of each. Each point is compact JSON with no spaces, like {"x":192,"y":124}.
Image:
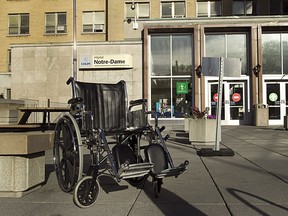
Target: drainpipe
{"x":74,"y":42}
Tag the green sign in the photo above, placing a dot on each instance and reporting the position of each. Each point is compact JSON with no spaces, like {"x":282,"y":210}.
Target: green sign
{"x":181,"y":87}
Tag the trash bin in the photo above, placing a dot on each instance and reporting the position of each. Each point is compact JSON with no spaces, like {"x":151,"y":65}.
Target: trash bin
{"x":286,"y":122}
{"x":260,"y":115}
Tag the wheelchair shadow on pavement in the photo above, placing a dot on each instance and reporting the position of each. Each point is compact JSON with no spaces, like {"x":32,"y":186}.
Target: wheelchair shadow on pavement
{"x":109,"y":184}
{"x":169,"y":203}
{"x":240,"y":194}
{"x":49,"y":168}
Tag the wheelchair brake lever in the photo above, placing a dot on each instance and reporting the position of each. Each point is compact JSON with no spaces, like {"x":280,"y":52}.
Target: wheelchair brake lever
{"x":166,"y":137}
{"x":162,"y":129}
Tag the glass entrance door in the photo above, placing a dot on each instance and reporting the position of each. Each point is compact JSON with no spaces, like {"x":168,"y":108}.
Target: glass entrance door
{"x":233,"y":102}
{"x":276,"y":97}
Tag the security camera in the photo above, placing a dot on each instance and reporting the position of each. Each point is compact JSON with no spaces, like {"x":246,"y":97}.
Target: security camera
{"x":133,"y":6}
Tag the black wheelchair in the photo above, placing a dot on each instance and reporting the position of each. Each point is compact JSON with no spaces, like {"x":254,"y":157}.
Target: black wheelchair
{"x":100,"y":118}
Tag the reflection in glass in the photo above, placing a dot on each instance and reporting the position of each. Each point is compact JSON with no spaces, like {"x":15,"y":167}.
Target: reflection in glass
{"x":215,"y":45}
{"x":214,"y":100}
{"x":227,"y":45}
{"x":236,"y":101}
{"x":271,"y":48}
{"x":237,"y":49}
{"x":285,"y":53}
{"x":160,"y":55}
{"x":181,"y":102}
{"x":181,"y":55}
{"x":161,"y":97}
{"x":273,"y":100}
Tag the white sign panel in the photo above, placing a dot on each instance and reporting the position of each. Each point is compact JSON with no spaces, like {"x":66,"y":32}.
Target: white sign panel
{"x":106,"y":61}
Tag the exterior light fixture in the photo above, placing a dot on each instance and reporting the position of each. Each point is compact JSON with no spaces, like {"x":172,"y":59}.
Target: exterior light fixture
{"x":133,"y":5}
{"x":199,"y":71}
{"x":135,"y":24}
{"x":256,"y":70}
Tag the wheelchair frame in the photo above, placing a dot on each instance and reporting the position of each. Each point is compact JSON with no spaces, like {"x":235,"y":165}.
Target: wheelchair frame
{"x":78,"y":130}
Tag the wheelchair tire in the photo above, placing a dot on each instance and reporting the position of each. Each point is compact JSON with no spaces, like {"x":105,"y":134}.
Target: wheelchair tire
{"x":84,"y":196}
{"x":67,"y":153}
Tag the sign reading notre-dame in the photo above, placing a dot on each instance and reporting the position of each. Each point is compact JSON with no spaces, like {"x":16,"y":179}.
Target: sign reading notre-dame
{"x":181,"y":87}
{"x":106,"y":61}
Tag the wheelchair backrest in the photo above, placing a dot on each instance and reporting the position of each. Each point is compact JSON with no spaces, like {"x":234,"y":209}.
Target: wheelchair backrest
{"x":107,"y":102}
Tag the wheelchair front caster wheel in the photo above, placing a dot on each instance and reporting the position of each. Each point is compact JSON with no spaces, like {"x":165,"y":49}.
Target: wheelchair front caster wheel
{"x":86,"y":194}
{"x":157,"y":183}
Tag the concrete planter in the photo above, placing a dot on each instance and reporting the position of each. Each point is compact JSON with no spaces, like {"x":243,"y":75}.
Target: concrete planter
{"x":186,"y":124}
{"x":202,"y":131}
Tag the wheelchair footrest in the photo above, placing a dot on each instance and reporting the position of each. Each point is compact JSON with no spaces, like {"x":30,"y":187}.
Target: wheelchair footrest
{"x":174,"y":171}
{"x":134,"y":170}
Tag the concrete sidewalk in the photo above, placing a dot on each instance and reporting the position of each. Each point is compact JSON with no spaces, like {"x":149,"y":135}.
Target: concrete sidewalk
{"x":252,"y":182}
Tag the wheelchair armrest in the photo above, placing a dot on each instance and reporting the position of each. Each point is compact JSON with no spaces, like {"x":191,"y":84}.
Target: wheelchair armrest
{"x":75,"y":100}
{"x":133,"y":103}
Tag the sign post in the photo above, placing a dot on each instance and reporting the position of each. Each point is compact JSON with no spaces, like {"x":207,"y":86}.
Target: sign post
{"x":230,"y":67}
{"x":219,"y":106}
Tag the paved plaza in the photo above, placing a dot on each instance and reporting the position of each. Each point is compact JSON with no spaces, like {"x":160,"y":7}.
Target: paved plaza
{"x":252,"y":182}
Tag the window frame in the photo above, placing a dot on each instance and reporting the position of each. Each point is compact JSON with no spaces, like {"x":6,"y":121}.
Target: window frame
{"x":173,"y":10}
{"x":217,"y":4}
{"x":245,"y":3}
{"x":172,"y":77}
{"x":281,"y":9}
{"x":100,"y":25}
{"x":56,"y":23}
{"x":9,"y":59}
{"x":137,"y":10}
{"x":19,"y":26}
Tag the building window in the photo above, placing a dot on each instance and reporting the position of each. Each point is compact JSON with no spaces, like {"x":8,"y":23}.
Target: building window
{"x":9,"y":60}
{"x":170,"y":66}
{"x":208,"y":8}
{"x":141,"y":10}
{"x":229,"y":46}
{"x":172,"y":9}
{"x":275,"y":53}
{"x":8,"y":94}
{"x":278,"y":7}
{"x":19,"y":24}
{"x":244,"y":8}
{"x":56,"y":23}
{"x":93,"y":21}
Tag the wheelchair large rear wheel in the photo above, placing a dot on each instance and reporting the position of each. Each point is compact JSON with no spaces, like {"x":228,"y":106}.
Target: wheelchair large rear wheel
{"x":67,"y":153}
{"x":85,"y":195}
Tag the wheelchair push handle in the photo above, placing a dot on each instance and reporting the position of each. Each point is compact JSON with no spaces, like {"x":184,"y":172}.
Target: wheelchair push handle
{"x":72,"y":80}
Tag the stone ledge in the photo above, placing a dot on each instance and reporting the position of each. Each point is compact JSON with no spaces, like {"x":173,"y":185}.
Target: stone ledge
{"x":19,"y":173}
{"x":22,"y":161}
{"x":25,"y":143}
